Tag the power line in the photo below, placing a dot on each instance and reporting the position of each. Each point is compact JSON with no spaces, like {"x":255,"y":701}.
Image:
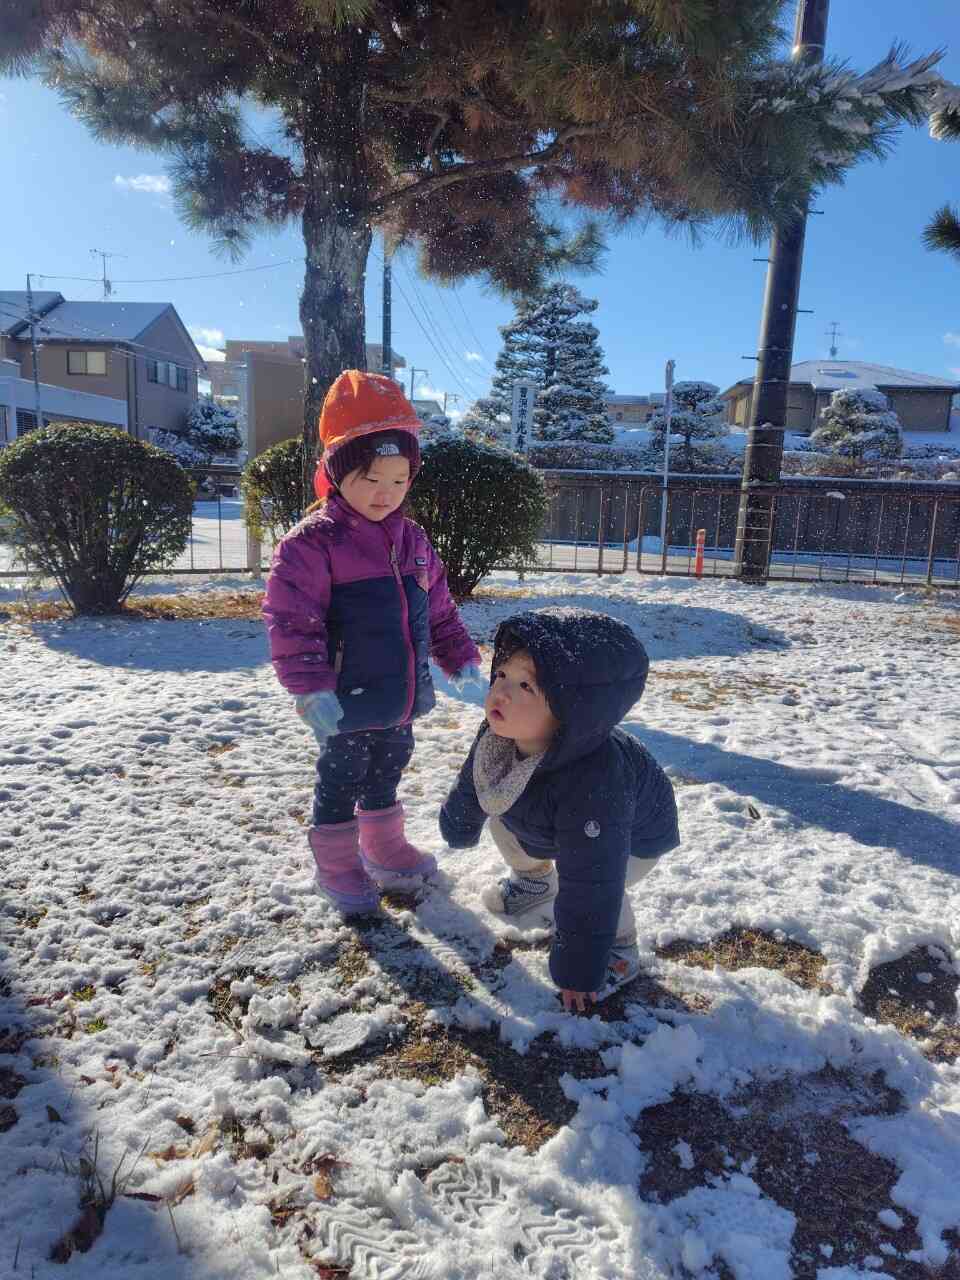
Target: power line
{"x":212,"y":275}
{"x":46,"y":326}
{"x":456,"y":294}
{"x":443,"y":359}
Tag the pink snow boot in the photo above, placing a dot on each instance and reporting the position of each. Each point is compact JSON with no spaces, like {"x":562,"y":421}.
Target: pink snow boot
{"x":340,"y":875}
{"x":389,"y":858}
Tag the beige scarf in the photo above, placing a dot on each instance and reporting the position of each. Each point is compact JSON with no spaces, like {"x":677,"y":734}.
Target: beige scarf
{"x":500,"y":775}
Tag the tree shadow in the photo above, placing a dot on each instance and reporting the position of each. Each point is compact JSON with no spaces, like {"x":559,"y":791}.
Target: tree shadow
{"x":219,"y":645}
{"x":815,"y":798}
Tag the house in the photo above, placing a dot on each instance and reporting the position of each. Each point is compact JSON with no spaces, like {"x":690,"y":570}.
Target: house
{"x":921,"y":402}
{"x":425,"y":409}
{"x":633,"y":411}
{"x":137,"y":352}
{"x":263,"y":383}
{"x":18,"y":401}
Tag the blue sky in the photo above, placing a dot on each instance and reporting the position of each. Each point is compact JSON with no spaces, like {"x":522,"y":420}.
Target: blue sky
{"x":865,"y":267}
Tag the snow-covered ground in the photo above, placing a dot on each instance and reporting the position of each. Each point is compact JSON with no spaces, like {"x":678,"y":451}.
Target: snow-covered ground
{"x":175,"y":995}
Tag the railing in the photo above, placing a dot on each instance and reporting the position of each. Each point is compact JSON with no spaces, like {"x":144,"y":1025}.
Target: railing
{"x":881,"y":532}
{"x":858,"y":531}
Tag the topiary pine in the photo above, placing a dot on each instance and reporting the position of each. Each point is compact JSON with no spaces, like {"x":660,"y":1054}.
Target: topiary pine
{"x":858,"y":423}
{"x":697,"y":418}
{"x":210,"y":431}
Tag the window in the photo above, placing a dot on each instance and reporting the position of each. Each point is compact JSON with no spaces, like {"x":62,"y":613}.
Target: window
{"x":153,"y":373}
{"x":91,"y":363}
{"x":26,"y":421}
{"x":181,"y":378}
{"x":4,"y":438}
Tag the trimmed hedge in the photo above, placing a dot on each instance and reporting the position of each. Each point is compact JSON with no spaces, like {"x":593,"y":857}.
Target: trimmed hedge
{"x":95,"y":509}
{"x":272,"y":488}
{"x":481,"y":507}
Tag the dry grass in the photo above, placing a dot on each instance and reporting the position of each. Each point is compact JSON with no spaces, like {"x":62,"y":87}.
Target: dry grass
{"x":752,"y":949}
{"x":917,"y":994}
{"x":704,"y":691}
{"x":204,"y":606}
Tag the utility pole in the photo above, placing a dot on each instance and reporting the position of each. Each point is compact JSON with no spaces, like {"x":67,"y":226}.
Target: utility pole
{"x":449,"y":395}
{"x":102,"y":254}
{"x":764,"y":454}
{"x":38,"y":412}
{"x":413,"y":374}
{"x":832,"y":333}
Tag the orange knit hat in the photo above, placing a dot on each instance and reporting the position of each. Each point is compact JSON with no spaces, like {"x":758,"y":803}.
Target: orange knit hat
{"x":359,"y":405}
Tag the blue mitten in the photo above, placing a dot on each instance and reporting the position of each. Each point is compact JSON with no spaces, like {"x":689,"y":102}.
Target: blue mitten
{"x":468,"y":675}
{"x":322,"y":712}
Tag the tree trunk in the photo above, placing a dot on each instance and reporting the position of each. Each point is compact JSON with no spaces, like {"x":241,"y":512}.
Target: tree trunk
{"x":336,"y":229}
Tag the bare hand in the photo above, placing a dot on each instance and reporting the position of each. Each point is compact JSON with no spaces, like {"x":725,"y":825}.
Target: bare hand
{"x":577,"y":1000}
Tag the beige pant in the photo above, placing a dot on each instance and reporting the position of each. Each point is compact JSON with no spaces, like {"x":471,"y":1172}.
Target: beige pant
{"x":518,"y":860}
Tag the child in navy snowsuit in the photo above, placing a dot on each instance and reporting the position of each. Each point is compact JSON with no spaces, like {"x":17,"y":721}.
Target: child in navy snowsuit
{"x":578,"y":808}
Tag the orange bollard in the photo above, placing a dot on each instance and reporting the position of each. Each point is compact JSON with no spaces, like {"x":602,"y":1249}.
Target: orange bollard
{"x":698,"y":562}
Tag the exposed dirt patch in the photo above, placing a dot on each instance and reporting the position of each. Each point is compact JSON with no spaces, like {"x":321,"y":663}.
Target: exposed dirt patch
{"x":752,"y":949}
{"x":10,"y":1083}
{"x":791,"y":1138}
{"x":917,"y":994}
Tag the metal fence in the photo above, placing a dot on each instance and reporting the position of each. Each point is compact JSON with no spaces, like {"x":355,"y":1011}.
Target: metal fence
{"x":858,"y":531}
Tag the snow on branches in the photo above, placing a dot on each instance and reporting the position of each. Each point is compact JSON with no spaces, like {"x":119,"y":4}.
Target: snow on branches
{"x":858,"y":423}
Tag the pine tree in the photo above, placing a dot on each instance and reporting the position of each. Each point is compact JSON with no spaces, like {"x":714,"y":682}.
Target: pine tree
{"x":210,"y":431}
{"x":520,"y":359}
{"x":572,"y":405}
{"x":458,"y":127}
{"x":697,"y":416}
{"x":859,"y":424}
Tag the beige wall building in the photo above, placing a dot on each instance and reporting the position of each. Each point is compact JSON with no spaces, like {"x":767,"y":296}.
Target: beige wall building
{"x":921,"y":402}
{"x":137,"y":352}
{"x":633,"y":411}
{"x":263,"y":382}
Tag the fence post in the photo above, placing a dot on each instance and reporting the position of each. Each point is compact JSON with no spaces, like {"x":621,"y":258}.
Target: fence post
{"x":600,"y":536}
{"x":698,"y":561}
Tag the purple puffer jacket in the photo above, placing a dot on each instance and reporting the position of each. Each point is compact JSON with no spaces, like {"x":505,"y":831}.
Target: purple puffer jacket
{"x":360,"y":607}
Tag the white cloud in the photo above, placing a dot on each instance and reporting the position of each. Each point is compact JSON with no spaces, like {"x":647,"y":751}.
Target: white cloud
{"x":155,"y":184}
{"x":952,"y":339}
{"x":426,"y":392}
{"x":210,"y":354}
{"x":212,"y":337}
{"x":472,"y":356}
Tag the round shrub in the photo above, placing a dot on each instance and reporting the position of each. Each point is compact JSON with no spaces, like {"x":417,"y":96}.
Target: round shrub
{"x":272,"y":488}
{"x":482,"y":508}
{"x":95,"y":509}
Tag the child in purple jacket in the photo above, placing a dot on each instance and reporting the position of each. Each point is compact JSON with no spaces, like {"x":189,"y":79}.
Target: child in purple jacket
{"x":356,"y":605}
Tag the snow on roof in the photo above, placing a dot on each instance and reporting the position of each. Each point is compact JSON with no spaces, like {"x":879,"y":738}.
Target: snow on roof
{"x":101,"y":321}
{"x":832,"y":375}
{"x":13,"y":306}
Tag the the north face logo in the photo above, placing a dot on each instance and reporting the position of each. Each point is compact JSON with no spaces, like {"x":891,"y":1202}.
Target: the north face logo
{"x":592,"y":829}
{"x":388,"y":449}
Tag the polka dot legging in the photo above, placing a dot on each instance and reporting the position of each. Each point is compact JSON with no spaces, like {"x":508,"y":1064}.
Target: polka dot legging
{"x":364,"y":767}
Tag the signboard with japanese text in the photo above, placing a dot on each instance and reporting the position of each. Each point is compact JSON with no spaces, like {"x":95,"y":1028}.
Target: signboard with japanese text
{"x":521,"y":415}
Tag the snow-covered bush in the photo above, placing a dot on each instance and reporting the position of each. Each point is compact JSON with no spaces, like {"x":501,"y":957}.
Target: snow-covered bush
{"x":272,"y":489}
{"x":210,"y":431}
{"x":481,"y":507}
{"x":95,"y":509}
{"x":697,"y":420}
{"x":858,"y":423}
{"x":578,"y":455}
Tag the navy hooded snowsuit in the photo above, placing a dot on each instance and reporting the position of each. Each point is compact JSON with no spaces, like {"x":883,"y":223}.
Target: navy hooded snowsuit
{"x":596,"y":798}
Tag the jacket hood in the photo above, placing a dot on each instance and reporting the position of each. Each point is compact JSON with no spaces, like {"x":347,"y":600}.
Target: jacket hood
{"x":590,"y":667}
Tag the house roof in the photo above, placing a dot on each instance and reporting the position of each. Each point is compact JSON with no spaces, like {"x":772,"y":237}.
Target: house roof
{"x":14,"y":309}
{"x":63,"y":321}
{"x":836,"y":375}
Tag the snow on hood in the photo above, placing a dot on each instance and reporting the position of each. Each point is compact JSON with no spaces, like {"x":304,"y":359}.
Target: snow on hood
{"x":591,"y":668}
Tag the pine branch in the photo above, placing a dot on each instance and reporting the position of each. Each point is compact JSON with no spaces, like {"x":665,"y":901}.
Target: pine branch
{"x":484,"y":168}
{"x":943,"y":233}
